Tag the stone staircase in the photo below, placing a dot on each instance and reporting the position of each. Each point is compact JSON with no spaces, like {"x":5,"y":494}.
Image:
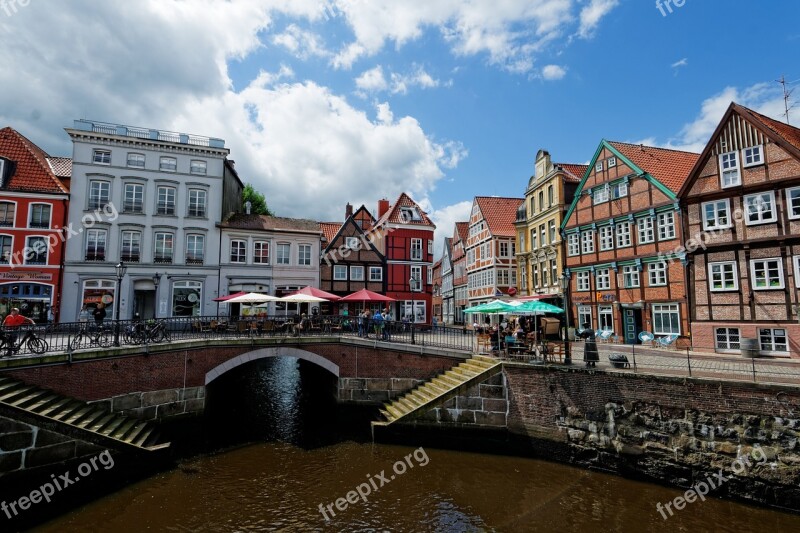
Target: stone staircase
{"x":80,"y":418}
{"x":440,"y":389}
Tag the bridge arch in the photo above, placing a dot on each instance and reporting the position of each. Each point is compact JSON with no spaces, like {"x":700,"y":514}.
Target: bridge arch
{"x":264,"y":353}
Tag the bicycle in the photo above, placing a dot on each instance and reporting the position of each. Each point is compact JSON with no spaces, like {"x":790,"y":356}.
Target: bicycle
{"x":151,"y":331}
{"x":34,"y":343}
{"x":86,"y":338}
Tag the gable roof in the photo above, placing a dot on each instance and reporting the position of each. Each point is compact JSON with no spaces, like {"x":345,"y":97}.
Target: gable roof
{"x":330,"y":229}
{"x":670,"y":167}
{"x":574,"y":172}
{"x":782,"y":134}
{"x":33,"y":172}
{"x":394,"y":216}
{"x":500,"y":214}
{"x":266,"y":223}
{"x":462,"y":230}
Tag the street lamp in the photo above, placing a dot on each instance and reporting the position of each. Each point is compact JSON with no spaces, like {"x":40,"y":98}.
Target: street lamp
{"x":121,"y":270}
{"x":564,"y":282}
{"x":156,"y":280}
{"x":411,"y":284}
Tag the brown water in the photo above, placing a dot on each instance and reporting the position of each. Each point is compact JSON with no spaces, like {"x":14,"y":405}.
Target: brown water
{"x":279,"y":486}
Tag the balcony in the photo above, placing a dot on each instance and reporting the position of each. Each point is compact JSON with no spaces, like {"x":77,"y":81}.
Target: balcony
{"x":95,"y":256}
{"x":132,"y":257}
{"x":194,"y":260}
{"x":149,"y":134}
{"x":163,"y":259}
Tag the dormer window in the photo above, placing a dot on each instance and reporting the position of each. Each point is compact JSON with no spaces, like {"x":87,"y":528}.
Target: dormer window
{"x":409,"y":214}
{"x":2,"y":172}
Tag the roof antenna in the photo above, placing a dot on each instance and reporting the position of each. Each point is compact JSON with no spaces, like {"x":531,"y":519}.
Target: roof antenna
{"x":787,"y":94}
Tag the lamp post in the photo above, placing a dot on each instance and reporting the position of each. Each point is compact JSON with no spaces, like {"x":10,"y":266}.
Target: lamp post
{"x":564,"y":282}
{"x":156,"y":280}
{"x":411,"y":285}
{"x":121,"y":270}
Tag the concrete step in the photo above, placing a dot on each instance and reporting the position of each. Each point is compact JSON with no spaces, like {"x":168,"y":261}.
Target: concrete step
{"x":12,"y":393}
{"x":68,"y":410}
{"x":44,"y":402}
{"x":139,"y":437}
{"x":100,"y":424}
{"x":133,"y":432}
{"x":115,"y":424}
{"x":54,"y":407}
{"x":79,"y":415}
{"x":29,"y":399}
{"x":92,"y":418}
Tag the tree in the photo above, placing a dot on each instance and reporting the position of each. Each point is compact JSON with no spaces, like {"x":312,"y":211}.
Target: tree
{"x":258,"y":202}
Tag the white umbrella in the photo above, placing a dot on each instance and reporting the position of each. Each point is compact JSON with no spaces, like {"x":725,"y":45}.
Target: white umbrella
{"x":302,"y":298}
{"x":252,"y":298}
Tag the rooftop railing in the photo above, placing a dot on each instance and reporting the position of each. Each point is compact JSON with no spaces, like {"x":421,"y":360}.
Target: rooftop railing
{"x":145,"y":133}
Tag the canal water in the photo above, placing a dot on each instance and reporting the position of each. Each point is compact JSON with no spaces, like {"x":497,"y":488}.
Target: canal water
{"x":278,"y":455}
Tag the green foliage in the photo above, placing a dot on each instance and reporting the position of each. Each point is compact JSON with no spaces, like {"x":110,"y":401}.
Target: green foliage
{"x":257,"y":201}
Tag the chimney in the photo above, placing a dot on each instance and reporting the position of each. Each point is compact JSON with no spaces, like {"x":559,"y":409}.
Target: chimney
{"x":383,"y":207}
{"x":348,"y":211}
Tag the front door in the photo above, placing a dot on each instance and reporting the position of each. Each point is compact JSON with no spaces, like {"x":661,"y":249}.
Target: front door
{"x":144,"y":304}
{"x":632,"y":323}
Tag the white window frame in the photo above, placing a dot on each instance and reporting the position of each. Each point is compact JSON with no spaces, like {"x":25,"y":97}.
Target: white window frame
{"x":587,"y":242}
{"x":198,"y":203}
{"x":601,"y":194}
{"x":598,"y":167}
{"x":773,"y":340}
{"x":97,"y":233}
{"x":657,"y":274}
{"x":31,"y":249}
{"x":758,"y":200}
{"x":163,"y":238}
{"x":238,"y":252}
{"x":356,"y":273}
{"x":304,"y":254}
{"x":351,"y":243}
{"x":198,"y":167}
{"x":430,"y":246}
{"x":551,"y":227}
{"x":134,"y":206}
{"x":619,"y":190}
{"x":573,"y":245}
{"x":41,"y":225}
{"x":282,"y":258}
{"x":612,"y":162}
{"x":769,"y":287}
{"x":631,"y":278}
{"x":602,"y":279}
{"x":169,"y":208}
{"x":99,"y":203}
{"x":416,"y":275}
{"x":339,"y":272}
{"x":665,"y":309}
{"x":666,"y":226}
{"x":606,"y":238}
{"x":167,"y":164}
{"x":130,"y":235}
{"x":605,"y":312}
{"x":790,"y":202}
{"x":258,"y":258}
{"x":728,"y":272}
{"x":624,"y":235}
{"x":583,"y":281}
{"x":504,"y":248}
{"x":134,"y":159}
{"x":373,"y":270}
{"x":727,"y":340}
{"x":727,"y":170}
{"x":749,"y":152}
{"x":416,"y":250}
{"x":196,"y":238}
{"x":716,"y":225}
{"x":646,"y":230}
{"x":101,"y":157}
{"x":583,"y":312}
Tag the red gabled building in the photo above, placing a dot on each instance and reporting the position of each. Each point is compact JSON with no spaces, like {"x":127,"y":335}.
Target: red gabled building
{"x":34,"y":201}
{"x":407,"y":243}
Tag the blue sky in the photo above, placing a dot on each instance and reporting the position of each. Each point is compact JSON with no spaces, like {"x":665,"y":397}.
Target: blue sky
{"x":325,"y":102}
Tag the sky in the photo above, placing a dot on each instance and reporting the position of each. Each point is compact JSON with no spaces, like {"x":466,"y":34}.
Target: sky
{"x":325,"y":102}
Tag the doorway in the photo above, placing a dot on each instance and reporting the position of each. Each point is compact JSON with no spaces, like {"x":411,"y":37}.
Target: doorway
{"x":632,"y":324}
{"x":144,"y":304}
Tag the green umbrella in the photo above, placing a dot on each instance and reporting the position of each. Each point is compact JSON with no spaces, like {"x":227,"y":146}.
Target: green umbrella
{"x":493,"y":308}
{"x":537,"y":306}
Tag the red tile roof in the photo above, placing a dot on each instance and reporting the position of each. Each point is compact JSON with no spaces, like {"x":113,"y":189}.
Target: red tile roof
{"x":786,"y":132}
{"x":462,"y":228}
{"x":574,"y":172}
{"x":33,"y":173}
{"x":264,"y":222}
{"x":393,"y":215}
{"x":61,"y":166}
{"x":330,"y":229}
{"x":670,"y":167}
{"x":500,"y":214}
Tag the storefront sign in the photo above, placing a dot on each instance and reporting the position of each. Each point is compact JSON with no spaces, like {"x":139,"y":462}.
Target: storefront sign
{"x":25,"y":276}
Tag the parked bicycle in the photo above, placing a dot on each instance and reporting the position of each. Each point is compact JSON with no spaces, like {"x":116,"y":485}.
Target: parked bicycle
{"x":30,"y":340}
{"x":92,"y":336}
{"x":146,"y":332}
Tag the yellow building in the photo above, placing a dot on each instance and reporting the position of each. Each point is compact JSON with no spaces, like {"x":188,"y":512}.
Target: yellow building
{"x":539,"y":252}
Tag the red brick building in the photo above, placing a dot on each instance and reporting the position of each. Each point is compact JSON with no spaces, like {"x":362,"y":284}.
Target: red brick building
{"x":623,"y":236}
{"x":742,"y":204}
{"x":33,"y":210}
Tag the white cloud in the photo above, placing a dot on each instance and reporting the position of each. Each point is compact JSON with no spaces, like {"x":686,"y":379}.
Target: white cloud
{"x":303,"y":44}
{"x":553,"y":72}
{"x":592,"y":14}
{"x":372,"y":80}
{"x":682,"y":63}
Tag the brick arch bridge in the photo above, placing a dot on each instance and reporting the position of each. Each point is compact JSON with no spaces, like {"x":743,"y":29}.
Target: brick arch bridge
{"x":266,"y":353}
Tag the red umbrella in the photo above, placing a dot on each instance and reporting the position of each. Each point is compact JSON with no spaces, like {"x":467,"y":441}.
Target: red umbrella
{"x":228,"y":297}
{"x":319,"y":293}
{"x":365,"y":295}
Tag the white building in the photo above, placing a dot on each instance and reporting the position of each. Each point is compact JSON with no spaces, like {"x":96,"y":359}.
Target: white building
{"x":152,"y":199}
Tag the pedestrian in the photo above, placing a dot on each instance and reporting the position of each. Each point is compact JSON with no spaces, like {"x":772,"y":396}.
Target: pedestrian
{"x":11,"y":323}
{"x":433,"y":324}
{"x":378,"y":324}
{"x":99,"y":314}
{"x":590,"y":354}
{"x":367,"y":321}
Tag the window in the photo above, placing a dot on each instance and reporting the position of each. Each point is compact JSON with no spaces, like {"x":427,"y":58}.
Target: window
{"x":8,"y":210}
{"x":630,"y":276}
{"x":261,"y":252}
{"x":534,"y":240}
{"x":135,"y":160}
{"x":165,"y":204}
{"x":416,"y":275}
{"x":409,"y":213}
{"x":187,"y":298}
{"x":552,"y":227}
{"x":356,"y":273}
{"x":722,"y":276}
{"x":541,"y":200}
{"x":133,"y":201}
{"x":773,"y":340}
{"x":284,"y":250}
{"x":533,"y":206}
{"x":96,"y":245}
{"x":168,"y":164}
{"x":101,"y":157}
{"x":666,"y":226}
{"x":793,"y":201}
{"x":587,"y":241}
{"x":36,"y":251}
{"x":197,"y":203}
{"x":164,"y":246}
{"x":612,"y":162}
{"x":535,"y":275}
{"x":502,"y":277}
{"x":584,"y":316}
{"x":623,"y":234}
{"x":605,"y":317}
{"x":40,"y":216}
{"x":646,"y":233}
{"x":339,"y":272}
{"x":666,"y":319}
{"x":351,"y":243}
{"x":504,"y":249}
{"x":6,"y":243}
{"x":238,"y":251}
{"x":607,"y":238}
{"x":430,"y":276}
{"x":99,"y":194}
{"x":598,"y":167}
{"x":573,"y":246}
{"x":753,"y":156}
{"x":543,"y":234}
{"x":375,"y":273}
{"x":550,"y":196}
{"x":430,"y":246}
{"x":602,"y":279}
{"x":522,"y":241}
{"x":620,"y":190}
{"x":416,"y":249}
{"x":767,"y":273}
{"x":601,"y":194}
{"x":760,"y":208}
{"x":304,"y":256}
{"x":796,"y":261}
{"x":583,"y":281}
{"x":131,"y":246}
{"x":716,"y":215}
{"x":195,"y":249}
{"x":198,"y":167}
{"x":729,"y":169}
{"x":727,"y":339}
{"x":657,"y":274}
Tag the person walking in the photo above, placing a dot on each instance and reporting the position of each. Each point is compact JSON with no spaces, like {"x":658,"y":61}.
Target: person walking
{"x":590,"y":354}
{"x":99,"y":314}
